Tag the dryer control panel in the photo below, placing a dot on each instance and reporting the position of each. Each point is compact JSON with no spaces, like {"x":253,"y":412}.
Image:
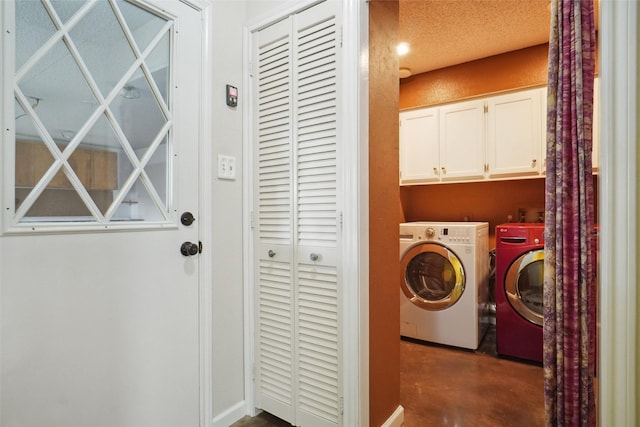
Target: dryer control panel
{"x":445,"y":233}
{"x":519,"y":234}
{"x":455,"y":235}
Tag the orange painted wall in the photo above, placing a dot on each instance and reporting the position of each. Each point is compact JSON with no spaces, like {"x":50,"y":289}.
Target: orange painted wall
{"x":478,"y":201}
{"x":491,"y":201}
{"x":517,"y":69}
{"x":384,"y":299}
{"x":483,"y":201}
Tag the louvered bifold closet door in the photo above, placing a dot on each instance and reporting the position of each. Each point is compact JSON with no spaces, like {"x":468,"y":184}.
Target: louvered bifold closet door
{"x":316,"y":209}
{"x":296,"y":116}
{"x":273,"y":209}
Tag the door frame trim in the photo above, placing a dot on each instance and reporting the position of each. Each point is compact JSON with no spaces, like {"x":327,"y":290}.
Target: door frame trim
{"x":618,"y":207}
{"x":205,"y":206}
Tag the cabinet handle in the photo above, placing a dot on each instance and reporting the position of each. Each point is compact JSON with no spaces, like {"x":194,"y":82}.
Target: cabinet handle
{"x":435,"y":171}
{"x":271,"y":253}
{"x":314,"y":257}
{"x":533,"y":163}
{"x":444,"y":171}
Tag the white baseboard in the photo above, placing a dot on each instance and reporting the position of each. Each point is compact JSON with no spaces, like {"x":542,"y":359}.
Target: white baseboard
{"x":396,"y":419}
{"x":231,"y":415}
{"x":237,"y":411}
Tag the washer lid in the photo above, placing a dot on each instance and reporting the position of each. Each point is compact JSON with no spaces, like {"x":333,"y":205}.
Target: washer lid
{"x":432,"y":276}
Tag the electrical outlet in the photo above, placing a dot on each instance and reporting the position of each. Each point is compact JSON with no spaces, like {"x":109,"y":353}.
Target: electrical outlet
{"x":226,"y":167}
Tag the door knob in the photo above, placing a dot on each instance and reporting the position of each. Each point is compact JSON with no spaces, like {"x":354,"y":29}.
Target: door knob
{"x":187,"y":218}
{"x":189,"y":249}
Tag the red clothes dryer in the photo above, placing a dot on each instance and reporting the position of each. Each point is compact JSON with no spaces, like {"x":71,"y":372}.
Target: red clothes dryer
{"x":519,"y":286}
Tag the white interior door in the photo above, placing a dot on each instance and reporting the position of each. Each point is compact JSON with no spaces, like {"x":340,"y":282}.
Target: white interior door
{"x":99,"y":306}
{"x":298,"y":275}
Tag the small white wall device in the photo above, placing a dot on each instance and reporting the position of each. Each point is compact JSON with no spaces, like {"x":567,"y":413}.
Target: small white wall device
{"x":226,"y":167}
{"x":232,"y":96}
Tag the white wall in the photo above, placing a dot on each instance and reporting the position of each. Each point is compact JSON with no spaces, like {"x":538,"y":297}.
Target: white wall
{"x":256,"y":8}
{"x":229,"y":21}
{"x":226,"y":221}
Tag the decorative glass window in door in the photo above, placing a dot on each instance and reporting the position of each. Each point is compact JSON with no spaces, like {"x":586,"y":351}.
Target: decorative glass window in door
{"x":93,"y":121}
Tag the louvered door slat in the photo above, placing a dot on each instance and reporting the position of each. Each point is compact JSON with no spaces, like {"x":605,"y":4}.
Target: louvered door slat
{"x":328,"y":104}
{"x":274,"y":99}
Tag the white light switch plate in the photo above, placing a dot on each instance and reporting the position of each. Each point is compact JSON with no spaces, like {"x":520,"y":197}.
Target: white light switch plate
{"x":226,"y":167}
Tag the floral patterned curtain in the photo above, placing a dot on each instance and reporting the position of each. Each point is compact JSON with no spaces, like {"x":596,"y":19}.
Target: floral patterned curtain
{"x":569,"y":278}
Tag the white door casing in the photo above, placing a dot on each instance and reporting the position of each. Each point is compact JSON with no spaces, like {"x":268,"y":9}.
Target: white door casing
{"x":100,"y":319}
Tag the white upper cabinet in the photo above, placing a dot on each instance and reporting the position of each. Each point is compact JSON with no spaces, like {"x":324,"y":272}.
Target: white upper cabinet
{"x":462,"y":141}
{"x":596,"y":126}
{"x":543,"y":129}
{"x":491,"y":138}
{"x":419,"y":146}
{"x":442,"y":143}
{"x":595,"y":161}
{"x":514,"y":126}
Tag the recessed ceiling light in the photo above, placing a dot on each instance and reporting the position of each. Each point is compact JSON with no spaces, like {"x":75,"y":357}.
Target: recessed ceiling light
{"x":404,"y":72}
{"x":402,"y":48}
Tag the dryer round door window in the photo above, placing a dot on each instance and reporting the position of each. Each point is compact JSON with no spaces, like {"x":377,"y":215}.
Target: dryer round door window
{"x":524,"y":285}
{"x":432,"y":276}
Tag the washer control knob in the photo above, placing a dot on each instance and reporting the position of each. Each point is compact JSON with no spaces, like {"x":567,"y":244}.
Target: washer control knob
{"x":430,"y":232}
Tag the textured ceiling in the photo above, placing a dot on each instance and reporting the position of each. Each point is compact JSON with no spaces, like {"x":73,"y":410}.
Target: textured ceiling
{"x":442,"y":33}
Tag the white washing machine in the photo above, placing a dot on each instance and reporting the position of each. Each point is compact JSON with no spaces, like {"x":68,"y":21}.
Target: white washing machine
{"x":444,"y":282}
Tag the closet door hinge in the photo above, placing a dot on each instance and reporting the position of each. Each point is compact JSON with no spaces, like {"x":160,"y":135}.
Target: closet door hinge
{"x":341,"y":405}
{"x":340,"y":220}
{"x":252,"y":220}
{"x":341,"y":36}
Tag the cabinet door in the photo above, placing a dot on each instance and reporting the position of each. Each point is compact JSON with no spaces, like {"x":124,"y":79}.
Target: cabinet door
{"x":80,"y":162}
{"x":104,"y":172}
{"x":419,"y":146}
{"x":596,"y":127}
{"x":25,"y":172}
{"x":595,"y":159}
{"x":462,"y":141}
{"x":543,"y":130}
{"x":42,"y":161}
{"x":514,"y":138}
